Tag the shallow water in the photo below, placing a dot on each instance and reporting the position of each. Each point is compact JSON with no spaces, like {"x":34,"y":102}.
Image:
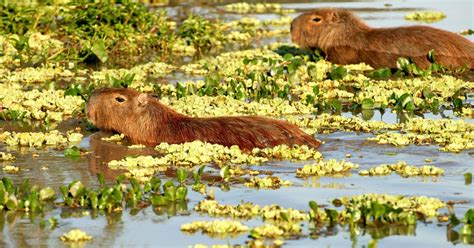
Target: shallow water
{"x":161,"y":227}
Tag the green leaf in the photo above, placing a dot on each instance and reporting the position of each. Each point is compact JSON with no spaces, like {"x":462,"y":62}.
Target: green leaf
{"x":167,"y":185}
{"x":155,"y":184}
{"x":469,"y":216}
{"x":12,"y":203}
{"x":314,"y":206}
{"x":285,"y":216}
{"x":332,"y":214}
{"x":367,"y":103}
{"x":94,"y":199}
{"x":336,"y":105}
{"x":225,"y":173}
{"x":181,"y":193}
{"x":338,"y":73}
{"x":182,"y":175}
{"x":170,"y":193}
{"x":72,"y":152}
{"x":158,"y":200}
{"x":405,"y":101}
{"x":101,"y":179}
{"x":76,"y":189}
{"x":377,"y":209}
{"x":46,"y":194}
{"x":98,"y":48}
{"x":383,"y":73}
{"x":454,"y":221}
{"x":8,"y":184}
{"x":457,"y":103}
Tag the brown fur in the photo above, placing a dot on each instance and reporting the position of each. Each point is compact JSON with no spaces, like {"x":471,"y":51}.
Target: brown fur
{"x":345,"y":39}
{"x":144,"y":120}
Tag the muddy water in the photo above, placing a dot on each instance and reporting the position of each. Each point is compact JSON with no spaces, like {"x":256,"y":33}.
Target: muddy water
{"x":161,"y":227}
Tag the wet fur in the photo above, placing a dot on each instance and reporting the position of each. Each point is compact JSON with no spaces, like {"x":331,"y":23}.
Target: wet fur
{"x":345,"y":39}
{"x":144,"y":120}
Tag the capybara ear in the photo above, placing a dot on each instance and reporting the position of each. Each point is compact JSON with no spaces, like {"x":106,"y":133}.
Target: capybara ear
{"x":142,"y":99}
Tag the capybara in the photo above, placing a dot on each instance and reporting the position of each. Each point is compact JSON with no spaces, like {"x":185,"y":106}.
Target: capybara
{"x":144,"y":120}
{"x":345,"y":39}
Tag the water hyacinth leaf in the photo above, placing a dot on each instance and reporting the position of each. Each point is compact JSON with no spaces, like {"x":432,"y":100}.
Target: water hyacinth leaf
{"x":120,"y":179}
{"x":225,"y":173}
{"x":288,"y":57}
{"x":314,"y":206}
{"x":336,"y":105}
{"x":167,"y":185}
{"x":405,"y":101}
{"x":367,"y":103}
{"x":402,"y":63}
{"x":285,"y":216}
{"x":377,"y":210}
{"x":3,"y":196}
{"x":64,"y":191}
{"x":101,"y":179}
{"x":94,"y":199}
{"x":155,"y":184}
{"x":76,"y":189}
{"x":201,"y":169}
{"x":170,"y":193}
{"x":332,"y":214}
{"x":8,"y":184}
{"x":337,"y":73}
{"x":46,"y":194}
{"x":469,"y":216}
{"x":72,"y":152}
{"x":181,"y":193}
{"x":457,"y":103}
{"x":158,"y":200}
{"x":134,"y":183}
{"x":181,"y":175}
{"x":427,"y":93}
{"x":383,"y":73}
{"x":99,"y":49}
{"x":12,"y":202}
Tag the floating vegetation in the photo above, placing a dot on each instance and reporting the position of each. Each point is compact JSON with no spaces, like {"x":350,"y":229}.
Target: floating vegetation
{"x":220,"y":228}
{"x":243,"y":8}
{"x":402,"y":169}
{"x":250,"y":210}
{"x":11,"y":169}
{"x":114,"y":138}
{"x":273,"y":182}
{"x":451,"y":135}
{"x":46,"y":105}
{"x":330,"y":167}
{"x":196,"y":153}
{"x":425,"y":206}
{"x":39,"y":139}
{"x":75,"y":235}
{"x":6,"y":156}
{"x":284,"y":229}
{"x":425,"y":16}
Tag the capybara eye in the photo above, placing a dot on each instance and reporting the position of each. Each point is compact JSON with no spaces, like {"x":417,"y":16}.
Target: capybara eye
{"x":317,"y":19}
{"x":119,"y":99}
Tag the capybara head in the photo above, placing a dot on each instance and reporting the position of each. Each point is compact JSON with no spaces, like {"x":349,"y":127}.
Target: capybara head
{"x":321,"y":27}
{"x":112,"y":108}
